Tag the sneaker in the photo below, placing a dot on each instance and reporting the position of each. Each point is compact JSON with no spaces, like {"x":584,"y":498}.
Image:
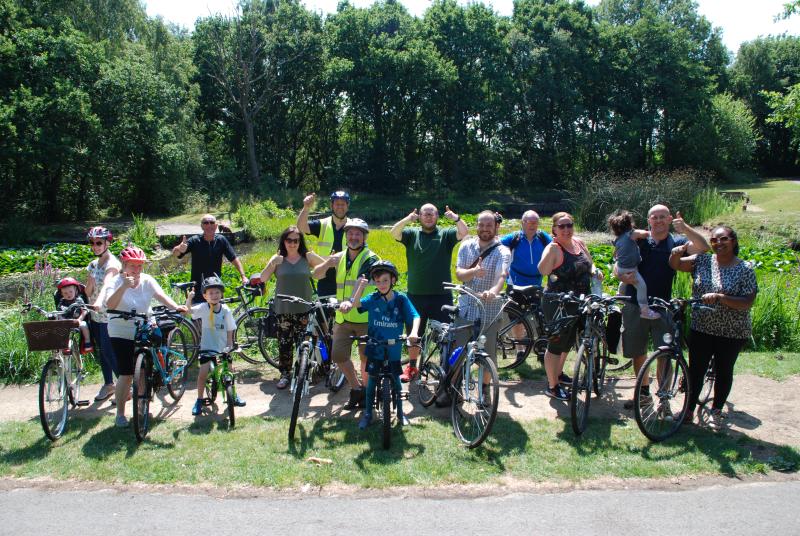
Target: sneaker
{"x":105,"y":392}
{"x":365,"y":421}
{"x":87,"y":348}
{"x":238,"y":402}
{"x":356,"y":399}
{"x":410,"y":373}
{"x":649,"y":314}
{"x":563,"y":379}
{"x":715,"y":419}
{"x":121,"y":421}
{"x":557,"y":392}
{"x":664,"y":410}
{"x":197,"y":409}
{"x":283,"y":383}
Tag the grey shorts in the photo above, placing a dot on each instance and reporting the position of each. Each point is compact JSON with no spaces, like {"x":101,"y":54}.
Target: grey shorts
{"x":637,"y":331}
{"x":463,"y":336}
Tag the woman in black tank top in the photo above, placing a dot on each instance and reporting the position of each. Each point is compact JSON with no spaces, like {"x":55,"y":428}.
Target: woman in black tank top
{"x":568,"y":266}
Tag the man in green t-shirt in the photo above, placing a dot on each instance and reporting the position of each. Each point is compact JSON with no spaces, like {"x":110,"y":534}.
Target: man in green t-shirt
{"x":429,"y":253}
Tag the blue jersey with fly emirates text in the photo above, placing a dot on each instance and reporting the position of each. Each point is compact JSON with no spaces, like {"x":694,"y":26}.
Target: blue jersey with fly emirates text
{"x":386,"y":321}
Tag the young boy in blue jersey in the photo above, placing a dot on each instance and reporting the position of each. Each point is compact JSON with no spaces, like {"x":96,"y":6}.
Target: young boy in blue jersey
{"x":388,"y":312}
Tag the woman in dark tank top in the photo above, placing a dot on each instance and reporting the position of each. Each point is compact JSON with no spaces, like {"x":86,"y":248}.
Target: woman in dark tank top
{"x":568,"y":266}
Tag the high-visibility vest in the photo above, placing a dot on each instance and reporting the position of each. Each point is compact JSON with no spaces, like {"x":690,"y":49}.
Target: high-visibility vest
{"x":325,"y":242}
{"x":346,"y":282}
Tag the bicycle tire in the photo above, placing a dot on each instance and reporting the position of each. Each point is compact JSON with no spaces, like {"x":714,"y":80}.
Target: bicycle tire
{"x":230,"y":397}
{"x":508,"y":354}
{"x":624,"y":364}
{"x":473,"y":433}
{"x":430,"y":377}
{"x":177,"y":385}
{"x":74,"y":369}
{"x":53,"y":399}
{"x":212,"y":386}
{"x":386,"y":410}
{"x":301,"y":369}
{"x":655,"y":418}
{"x":142,"y":393}
{"x":249,"y":337}
{"x":189,"y":346}
{"x":581,"y":397}
{"x":707,"y":389}
{"x":600,"y":353}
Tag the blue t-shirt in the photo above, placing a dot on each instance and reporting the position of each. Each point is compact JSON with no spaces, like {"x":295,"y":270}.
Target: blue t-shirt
{"x":525,"y":257}
{"x":654,"y":267}
{"x":386,"y":321}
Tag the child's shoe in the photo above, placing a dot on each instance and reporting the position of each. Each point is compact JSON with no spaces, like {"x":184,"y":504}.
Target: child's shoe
{"x":365,"y":421}
{"x":649,"y":314}
{"x":87,"y":348}
{"x":238,"y":402}
{"x":197,"y":409}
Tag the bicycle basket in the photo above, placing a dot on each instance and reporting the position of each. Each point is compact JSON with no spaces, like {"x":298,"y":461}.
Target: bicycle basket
{"x":48,"y":334}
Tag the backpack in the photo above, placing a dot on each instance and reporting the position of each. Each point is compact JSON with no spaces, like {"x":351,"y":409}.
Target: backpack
{"x":517,"y":238}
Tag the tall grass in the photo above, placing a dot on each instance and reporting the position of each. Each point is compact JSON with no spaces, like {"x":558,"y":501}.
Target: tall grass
{"x":776,"y":312}
{"x":143,"y":234}
{"x":264,"y":220}
{"x":707,"y":204}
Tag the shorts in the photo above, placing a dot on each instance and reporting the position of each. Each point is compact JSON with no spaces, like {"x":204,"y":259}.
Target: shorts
{"x":124,"y":352}
{"x":342,"y":343}
{"x":374,"y":367}
{"x":430,"y":306}
{"x":562,"y":342}
{"x":207,"y":358}
{"x":637,"y":330}
{"x":463,"y":336}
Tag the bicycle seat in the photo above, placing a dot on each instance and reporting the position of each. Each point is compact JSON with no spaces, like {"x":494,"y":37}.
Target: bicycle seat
{"x":525,"y":295}
{"x":450,"y":309}
{"x":185,"y":287}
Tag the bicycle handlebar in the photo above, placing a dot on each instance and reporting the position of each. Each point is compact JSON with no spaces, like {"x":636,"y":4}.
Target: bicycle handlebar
{"x":383,"y":342}
{"x":52,"y":315}
{"x":296,"y":299}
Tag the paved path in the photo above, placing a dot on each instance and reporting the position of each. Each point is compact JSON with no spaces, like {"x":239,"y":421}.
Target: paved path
{"x":772,"y":418}
{"x":755,"y":508}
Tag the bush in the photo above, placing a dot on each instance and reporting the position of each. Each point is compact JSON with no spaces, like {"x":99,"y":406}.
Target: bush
{"x":143,"y":234}
{"x":683,"y":190}
{"x":264,"y":220}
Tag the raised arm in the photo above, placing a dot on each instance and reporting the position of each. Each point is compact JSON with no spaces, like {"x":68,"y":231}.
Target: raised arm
{"x":320,"y":269}
{"x":697,"y":242}
{"x":397,"y":228}
{"x":302,"y":216}
{"x":461,"y":226}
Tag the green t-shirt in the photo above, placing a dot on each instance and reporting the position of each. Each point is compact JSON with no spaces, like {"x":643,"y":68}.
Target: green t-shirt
{"x":429,"y":256}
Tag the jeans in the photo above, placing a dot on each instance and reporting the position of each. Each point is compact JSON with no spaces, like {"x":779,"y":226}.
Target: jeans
{"x":108,"y":362}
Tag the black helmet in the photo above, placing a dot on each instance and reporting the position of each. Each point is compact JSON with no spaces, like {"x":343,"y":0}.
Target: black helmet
{"x":213,"y":282}
{"x":340,"y":194}
{"x":384,"y":266}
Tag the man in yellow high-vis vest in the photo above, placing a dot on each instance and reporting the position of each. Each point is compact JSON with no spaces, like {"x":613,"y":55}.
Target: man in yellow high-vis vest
{"x":329,"y":231}
{"x":349,"y":266}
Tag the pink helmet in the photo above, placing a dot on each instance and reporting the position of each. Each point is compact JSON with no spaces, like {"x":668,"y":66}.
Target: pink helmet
{"x":67,"y":281}
{"x":133,"y":255}
{"x":99,"y":232}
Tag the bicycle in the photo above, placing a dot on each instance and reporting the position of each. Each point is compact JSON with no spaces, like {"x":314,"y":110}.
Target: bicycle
{"x":157,"y":365}
{"x":222,"y":376}
{"x":463,"y":381}
{"x":670,"y":372}
{"x":387,"y":398}
{"x":62,"y":374}
{"x":592,"y":357}
{"x":313,"y":351}
{"x":523,"y":313}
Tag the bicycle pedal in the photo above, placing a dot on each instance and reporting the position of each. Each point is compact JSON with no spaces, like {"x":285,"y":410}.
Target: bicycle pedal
{"x":403,"y":395}
{"x":82,"y":403}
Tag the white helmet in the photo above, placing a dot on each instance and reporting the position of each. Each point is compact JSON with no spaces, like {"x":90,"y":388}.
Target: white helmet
{"x":356,"y":223}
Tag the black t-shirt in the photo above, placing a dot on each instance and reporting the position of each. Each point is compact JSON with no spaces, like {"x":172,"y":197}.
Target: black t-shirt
{"x":655,"y":268}
{"x":207,"y":259}
{"x":327,"y":285}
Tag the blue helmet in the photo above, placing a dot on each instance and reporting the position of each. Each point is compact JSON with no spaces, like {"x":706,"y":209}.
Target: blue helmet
{"x":340,"y":194}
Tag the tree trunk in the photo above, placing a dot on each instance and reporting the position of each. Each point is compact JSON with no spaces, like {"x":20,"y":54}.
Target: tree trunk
{"x":252,"y":160}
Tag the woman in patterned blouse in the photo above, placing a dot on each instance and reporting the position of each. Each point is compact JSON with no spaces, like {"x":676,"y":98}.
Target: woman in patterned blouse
{"x":728,"y":284}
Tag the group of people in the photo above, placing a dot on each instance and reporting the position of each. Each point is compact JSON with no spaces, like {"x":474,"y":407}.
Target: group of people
{"x":344,"y":266}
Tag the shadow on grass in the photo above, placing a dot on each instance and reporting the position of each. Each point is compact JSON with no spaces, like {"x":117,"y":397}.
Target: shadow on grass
{"x":76,"y":429}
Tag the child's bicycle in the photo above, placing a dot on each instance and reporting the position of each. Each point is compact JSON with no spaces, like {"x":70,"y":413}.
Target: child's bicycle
{"x":60,"y":382}
{"x":221,"y":376}
{"x":387,"y":398}
{"x":157,"y":365}
{"x":313,"y":351}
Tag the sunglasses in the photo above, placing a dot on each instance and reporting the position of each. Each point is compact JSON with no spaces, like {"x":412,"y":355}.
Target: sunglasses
{"x":101,"y":243}
{"x":720,"y":240}
{"x":208,"y":222}
{"x":292,"y":240}
{"x":565,"y":225}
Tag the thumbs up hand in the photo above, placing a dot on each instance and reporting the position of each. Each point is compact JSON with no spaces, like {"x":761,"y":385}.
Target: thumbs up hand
{"x":479,"y":271}
{"x":184,"y":245}
{"x":678,"y":223}
{"x":449,"y":214}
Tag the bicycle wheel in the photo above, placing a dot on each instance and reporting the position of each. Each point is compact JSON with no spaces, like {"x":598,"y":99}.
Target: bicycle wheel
{"x":253,"y":346}
{"x":300,"y":371}
{"x":707,"y":389}
{"x":581,"y":396}
{"x":474,"y":406}
{"x":176,"y":344}
{"x":430,"y":377}
{"x":211,"y":386}
{"x":53,"y":398}
{"x":514,"y":339}
{"x":230,"y":397}
{"x":184,"y":339}
{"x":386,"y":410}
{"x":74,"y":368}
{"x":600,"y":353}
{"x":142,"y":393}
{"x":660,"y":409}
{"x":623,"y":364}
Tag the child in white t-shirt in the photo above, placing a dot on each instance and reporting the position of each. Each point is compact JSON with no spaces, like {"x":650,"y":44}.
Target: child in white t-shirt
{"x":217,"y":327}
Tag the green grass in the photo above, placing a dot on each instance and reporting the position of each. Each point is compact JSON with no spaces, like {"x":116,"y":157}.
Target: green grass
{"x":775,"y":365}
{"x":776,"y":224}
{"x":425,"y":454}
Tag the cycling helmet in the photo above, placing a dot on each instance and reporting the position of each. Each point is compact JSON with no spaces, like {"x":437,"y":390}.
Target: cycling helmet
{"x":356,"y":223}
{"x":384,"y":266}
{"x":67,"y":281}
{"x":213,"y":282}
{"x":340,"y":194}
{"x":99,"y":232}
{"x":133,"y":255}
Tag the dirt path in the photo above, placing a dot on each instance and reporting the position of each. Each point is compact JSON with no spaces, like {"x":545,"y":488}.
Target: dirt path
{"x":770,"y":418}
